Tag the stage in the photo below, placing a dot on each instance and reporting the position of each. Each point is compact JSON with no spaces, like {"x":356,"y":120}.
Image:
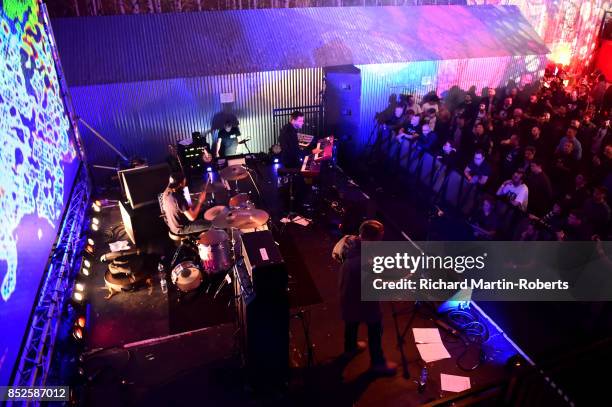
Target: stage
{"x":173,"y":349}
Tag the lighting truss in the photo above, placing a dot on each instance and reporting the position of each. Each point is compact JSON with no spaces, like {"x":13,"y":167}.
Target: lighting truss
{"x":35,"y":360}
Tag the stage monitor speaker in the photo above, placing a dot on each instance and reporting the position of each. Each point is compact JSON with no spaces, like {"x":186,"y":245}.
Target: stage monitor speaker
{"x":143,"y":223}
{"x":343,"y":108}
{"x":265,"y":264}
{"x":265,"y":319}
{"x":141,"y":185}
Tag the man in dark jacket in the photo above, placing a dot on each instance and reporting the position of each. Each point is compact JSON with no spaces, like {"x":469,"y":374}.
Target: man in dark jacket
{"x":291,"y":154}
{"x":354,"y":311}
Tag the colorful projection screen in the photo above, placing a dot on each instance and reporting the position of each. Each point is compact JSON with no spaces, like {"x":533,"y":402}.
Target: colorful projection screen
{"x":38,"y":164}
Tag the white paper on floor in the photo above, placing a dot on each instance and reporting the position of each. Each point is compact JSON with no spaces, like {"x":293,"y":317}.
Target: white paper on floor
{"x":429,"y":344}
{"x":430,"y":352}
{"x":454,"y":383}
{"x":426,"y":335}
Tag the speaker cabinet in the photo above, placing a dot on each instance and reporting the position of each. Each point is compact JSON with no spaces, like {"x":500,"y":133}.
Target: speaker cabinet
{"x":342,"y":108}
{"x":265,"y":318}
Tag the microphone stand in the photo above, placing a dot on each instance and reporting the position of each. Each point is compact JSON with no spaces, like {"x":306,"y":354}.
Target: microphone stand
{"x":104,"y":140}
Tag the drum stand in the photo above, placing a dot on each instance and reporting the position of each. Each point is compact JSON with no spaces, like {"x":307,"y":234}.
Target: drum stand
{"x":231,"y":269}
{"x":412,"y":311}
{"x":185,"y":242}
{"x":301,"y":315}
{"x":291,"y":214}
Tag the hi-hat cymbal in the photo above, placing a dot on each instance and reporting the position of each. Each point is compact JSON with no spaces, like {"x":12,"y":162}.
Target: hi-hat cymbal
{"x":241,"y":219}
{"x":234,"y":173}
{"x":213,"y":212}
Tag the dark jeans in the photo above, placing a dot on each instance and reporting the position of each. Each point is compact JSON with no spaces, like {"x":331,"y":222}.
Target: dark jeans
{"x":229,"y":147}
{"x":197,"y":226}
{"x":374,"y":340}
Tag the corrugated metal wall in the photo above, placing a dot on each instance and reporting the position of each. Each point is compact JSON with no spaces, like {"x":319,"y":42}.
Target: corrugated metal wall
{"x":378,"y":82}
{"x":142,"y":118}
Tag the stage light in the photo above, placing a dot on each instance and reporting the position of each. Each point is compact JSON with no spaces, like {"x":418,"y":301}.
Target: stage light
{"x":79,"y":286}
{"x":209,"y":169}
{"x":91,"y":242}
{"x":89,"y":249}
{"x":81,"y":321}
{"x":77,"y":333}
{"x":86,"y":263}
{"x":276,"y":161}
{"x":85,"y":271}
{"x":77,"y":296}
{"x":96,"y":207}
{"x":94,"y":227}
{"x":95,"y":221}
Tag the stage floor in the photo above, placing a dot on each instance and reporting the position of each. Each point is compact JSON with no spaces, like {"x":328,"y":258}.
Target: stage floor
{"x":160,"y":351}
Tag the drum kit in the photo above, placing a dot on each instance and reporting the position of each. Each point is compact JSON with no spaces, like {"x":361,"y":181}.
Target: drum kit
{"x":217,"y":247}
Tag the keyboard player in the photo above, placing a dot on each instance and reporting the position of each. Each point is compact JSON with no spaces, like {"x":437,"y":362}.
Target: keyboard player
{"x":291,"y":153}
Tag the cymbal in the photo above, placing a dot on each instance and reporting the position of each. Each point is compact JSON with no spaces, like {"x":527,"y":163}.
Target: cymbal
{"x":239,"y":201}
{"x":213,"y":212}
{"x":234,"y":173}
{"x":241,"y":219}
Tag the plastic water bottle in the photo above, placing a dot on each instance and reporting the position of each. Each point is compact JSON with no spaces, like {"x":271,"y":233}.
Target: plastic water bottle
{"x":423,"y":379}
{"x":162,"y":276}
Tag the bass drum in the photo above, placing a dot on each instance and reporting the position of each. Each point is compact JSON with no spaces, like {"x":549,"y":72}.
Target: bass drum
{"x":186,"y":276}
{"x":214,"y":248}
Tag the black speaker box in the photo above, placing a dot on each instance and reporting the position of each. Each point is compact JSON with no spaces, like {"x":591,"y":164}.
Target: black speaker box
{"x":265,"y":264}
{"x":141,"y":185}
{"x":343,"y":108}
{"x":266,"y":316}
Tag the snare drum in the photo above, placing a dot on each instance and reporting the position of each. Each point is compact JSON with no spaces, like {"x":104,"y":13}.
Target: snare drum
{"x":186,"y":276}
{"x":241,"y":201}
{"x":214,"y":248}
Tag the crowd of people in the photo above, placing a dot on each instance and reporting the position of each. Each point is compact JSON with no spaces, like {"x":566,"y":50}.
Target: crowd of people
{"x":545,"y":149}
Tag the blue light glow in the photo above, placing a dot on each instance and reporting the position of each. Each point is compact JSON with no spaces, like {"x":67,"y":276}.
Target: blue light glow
{"x":38,"y":163}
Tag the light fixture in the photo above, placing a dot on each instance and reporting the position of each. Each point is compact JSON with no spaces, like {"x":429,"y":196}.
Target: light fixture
{"x":95,"y":221}
{"x":94,"y":227}
{"x":91,"y":242}
{"x":77,"y":296}
{"x":96,"y":207}
{"x":86,"y":263}
{"x":77,"y":333}
{"x":209,"y":169}
{"x":276,"y":161}
{"x":81,"y":321}
{"x":79,"y":286}
{"x":85,"y":271}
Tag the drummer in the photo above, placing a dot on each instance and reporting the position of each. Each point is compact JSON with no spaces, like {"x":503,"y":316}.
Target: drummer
{"x":182,"y":218}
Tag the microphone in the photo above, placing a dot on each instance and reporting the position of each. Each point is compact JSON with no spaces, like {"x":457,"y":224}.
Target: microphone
{"x":244,"y":141}
{"x":115,"y":255}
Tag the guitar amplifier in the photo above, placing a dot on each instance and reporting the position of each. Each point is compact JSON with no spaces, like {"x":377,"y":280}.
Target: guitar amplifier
{"x":264,"y":315}
{"x":264,"y":263}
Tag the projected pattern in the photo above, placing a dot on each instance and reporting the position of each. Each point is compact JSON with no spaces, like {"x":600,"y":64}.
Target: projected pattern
{"x":568,"y":27}
{"x":35,"y":141}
